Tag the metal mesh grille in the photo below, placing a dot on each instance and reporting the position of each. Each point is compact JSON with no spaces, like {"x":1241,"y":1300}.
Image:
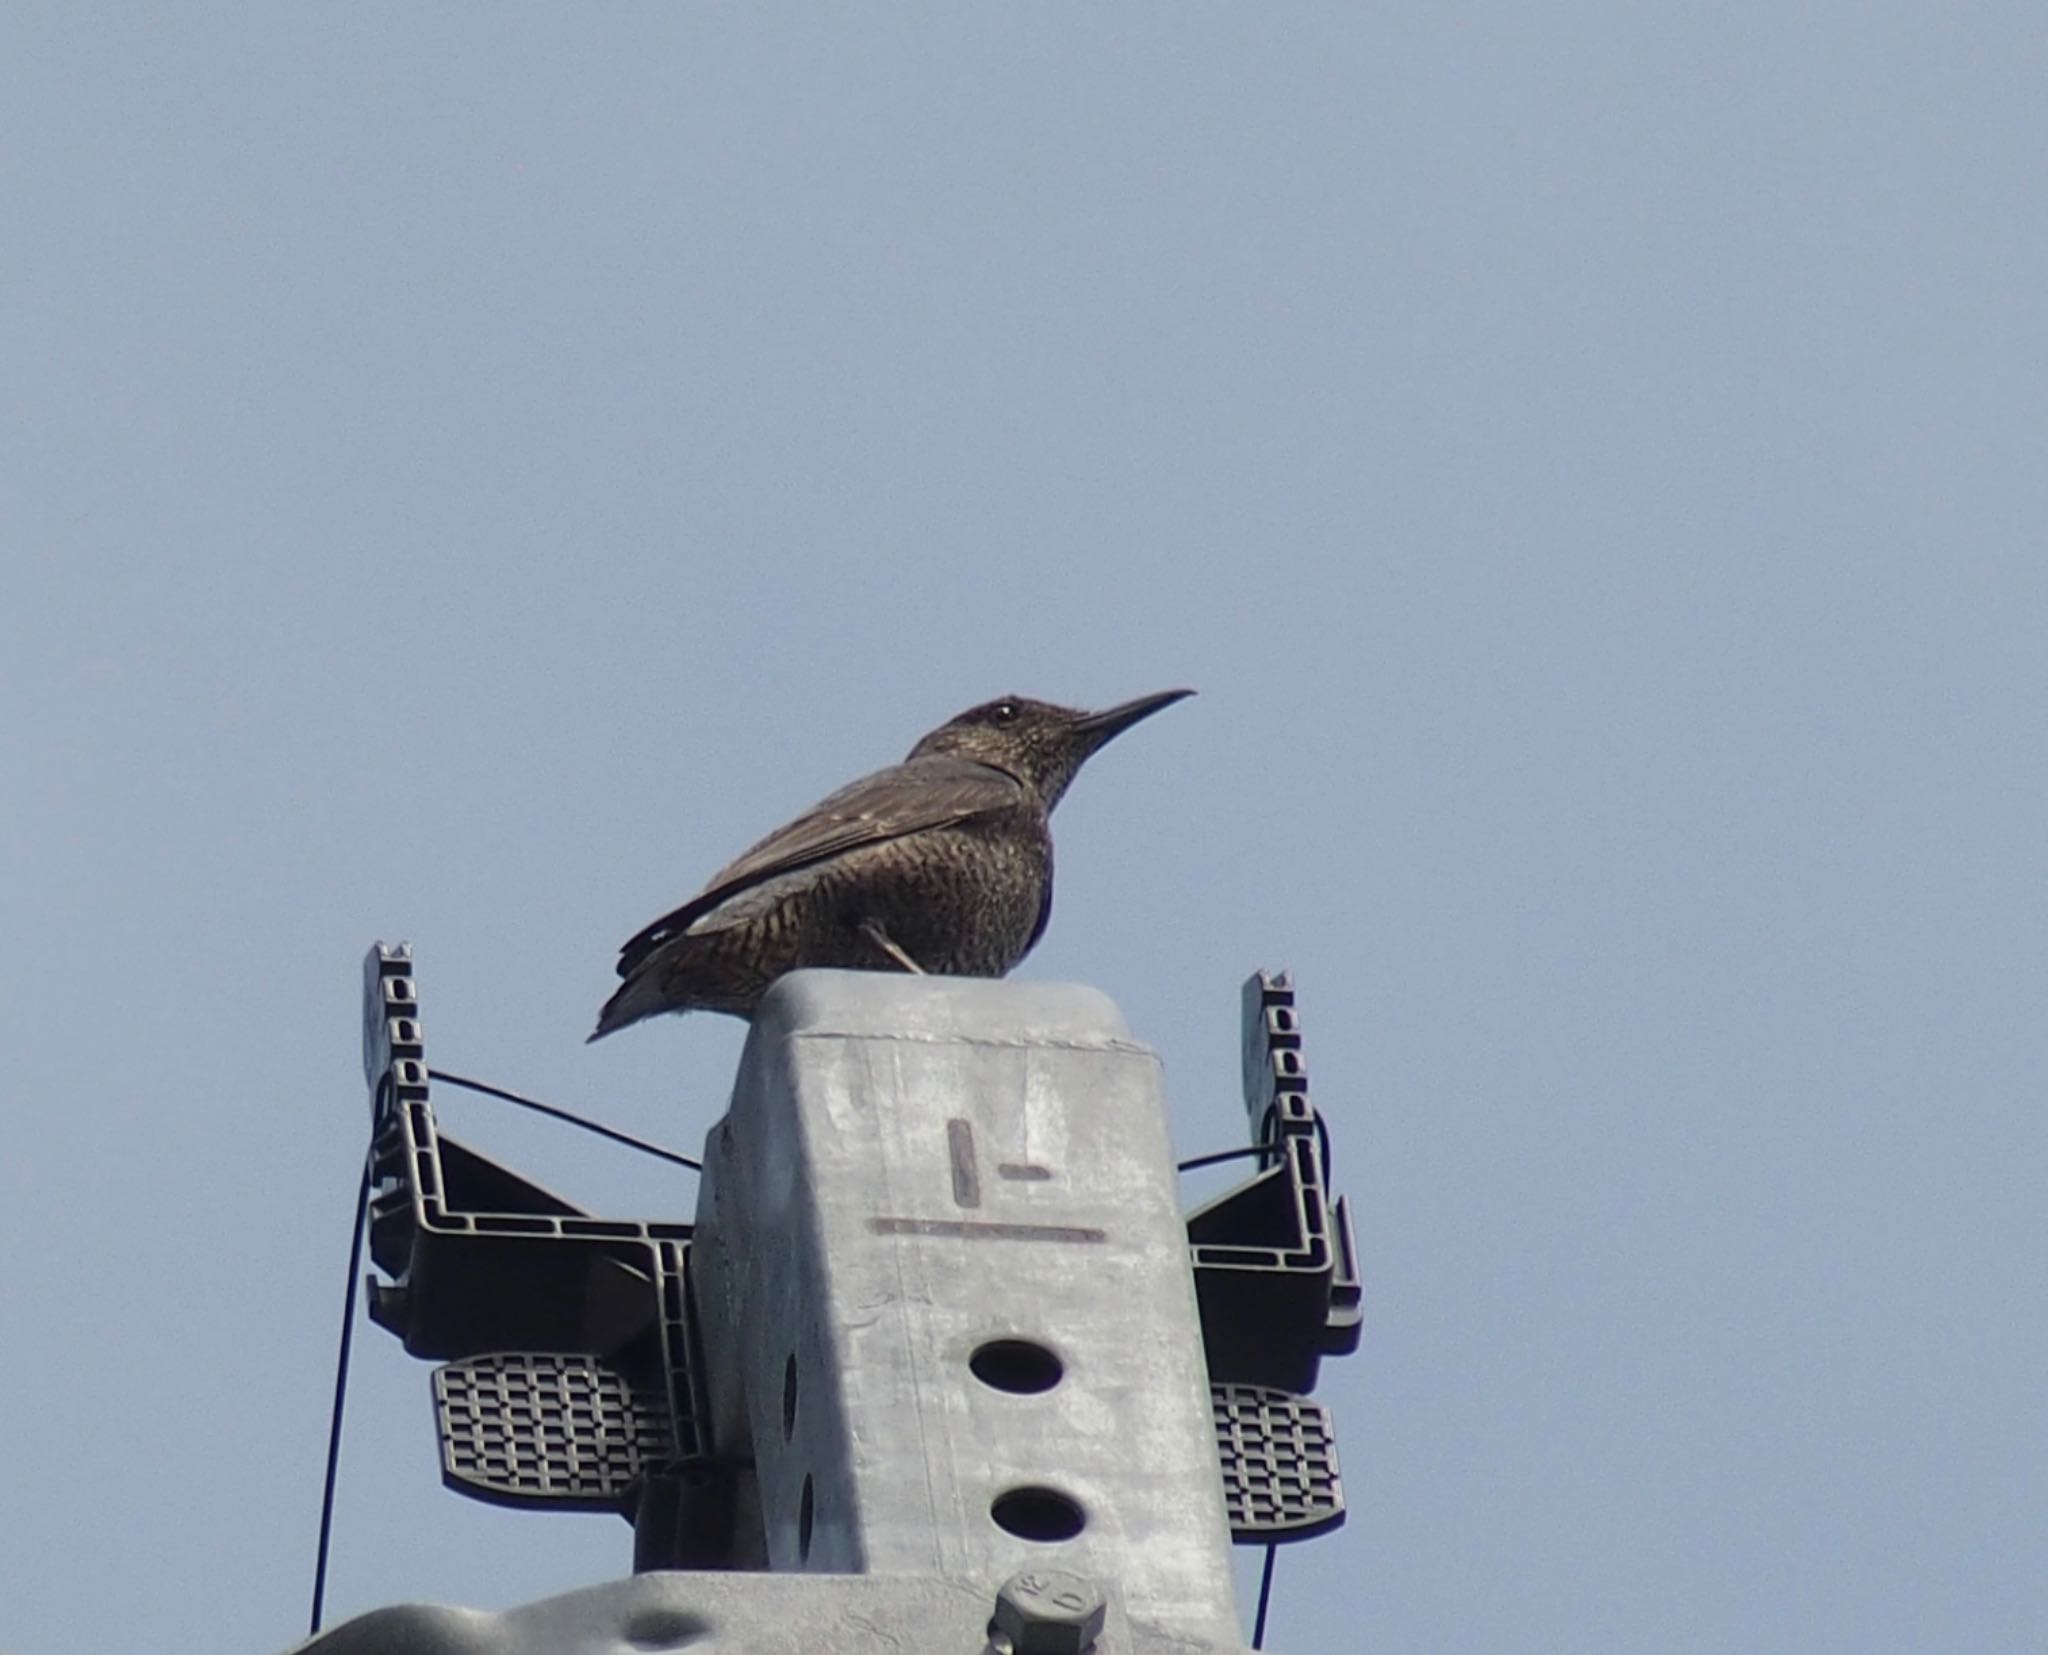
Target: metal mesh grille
{"x":1279,"y":1459}
{"x":529,"y":1429}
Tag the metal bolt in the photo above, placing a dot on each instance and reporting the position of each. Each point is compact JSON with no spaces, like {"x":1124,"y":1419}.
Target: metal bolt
{"x":1047,"y":1612}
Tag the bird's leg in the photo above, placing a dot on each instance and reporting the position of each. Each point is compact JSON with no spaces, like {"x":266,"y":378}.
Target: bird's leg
{"x":872,"y":930}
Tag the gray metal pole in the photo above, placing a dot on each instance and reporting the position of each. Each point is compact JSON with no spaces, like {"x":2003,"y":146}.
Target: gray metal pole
{"x":944,"y":1279}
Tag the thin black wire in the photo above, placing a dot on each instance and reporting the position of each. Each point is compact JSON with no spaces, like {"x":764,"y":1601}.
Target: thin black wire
{"x":1265,"y":1596}
{"x":348,"y":1323}
{"x":573,"y":1119}
{"x":1246,"y":1151}
{"x":1223,"y":1155}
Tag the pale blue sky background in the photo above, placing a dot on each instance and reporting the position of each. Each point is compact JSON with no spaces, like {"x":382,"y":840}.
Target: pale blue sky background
{"x":464,"y":476}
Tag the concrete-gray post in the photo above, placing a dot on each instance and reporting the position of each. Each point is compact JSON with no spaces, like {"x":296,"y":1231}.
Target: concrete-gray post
{"x":944,"y":1285}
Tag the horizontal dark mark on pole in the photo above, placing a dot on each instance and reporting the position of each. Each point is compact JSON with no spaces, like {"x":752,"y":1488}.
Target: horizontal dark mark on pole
{"x":975,"y":1229}
{"x":1023,"y":1171}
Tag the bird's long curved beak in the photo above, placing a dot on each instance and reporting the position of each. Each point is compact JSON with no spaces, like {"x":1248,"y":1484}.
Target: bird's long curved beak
{"x":1113,"y":721}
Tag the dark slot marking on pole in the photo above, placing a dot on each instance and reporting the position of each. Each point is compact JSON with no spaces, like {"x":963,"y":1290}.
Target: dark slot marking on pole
{"x":1023,"y":1172}
{"x":975,"y":1229}
{"x":966,"y":1176}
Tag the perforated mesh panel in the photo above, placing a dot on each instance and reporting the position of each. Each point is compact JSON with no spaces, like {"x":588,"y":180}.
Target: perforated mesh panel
{"x":530,"y":1429}
{"x":1279,"y":1459}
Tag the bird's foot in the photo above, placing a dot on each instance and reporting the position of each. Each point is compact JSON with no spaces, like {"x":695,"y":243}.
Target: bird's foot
{"x":872,"y":930}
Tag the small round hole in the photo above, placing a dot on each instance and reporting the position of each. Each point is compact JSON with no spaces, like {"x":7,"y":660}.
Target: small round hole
{"x":806,"y":1515}
{"x":1034,"y":1513}
{"x":1018,"y":1366}
{"x":789,"y":1398}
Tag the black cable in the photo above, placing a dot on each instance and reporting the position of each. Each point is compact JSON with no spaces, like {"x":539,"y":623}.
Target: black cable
{"x":1265,"y":1145}
{"x":1248,"y":1150}
{"x":573,"y":1119}
{"x":1223,"y":1155}
{"x":1265,"y":1595}
{"x":348,"y":1322}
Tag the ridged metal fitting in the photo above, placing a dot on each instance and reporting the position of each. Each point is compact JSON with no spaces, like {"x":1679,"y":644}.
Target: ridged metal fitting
{"x":1047,"y":1612}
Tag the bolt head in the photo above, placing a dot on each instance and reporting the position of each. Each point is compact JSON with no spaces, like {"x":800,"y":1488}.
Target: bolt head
{"x":1049,"y":1612}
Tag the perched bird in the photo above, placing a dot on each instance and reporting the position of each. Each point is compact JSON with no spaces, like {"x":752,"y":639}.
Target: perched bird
{"x":941,"y":864}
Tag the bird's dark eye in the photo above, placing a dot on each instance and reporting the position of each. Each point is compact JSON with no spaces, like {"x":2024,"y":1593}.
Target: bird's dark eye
{"x":1004,"y":712}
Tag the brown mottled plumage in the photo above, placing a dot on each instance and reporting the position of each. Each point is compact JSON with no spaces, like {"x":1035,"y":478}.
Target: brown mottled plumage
{"x":942,"y":863}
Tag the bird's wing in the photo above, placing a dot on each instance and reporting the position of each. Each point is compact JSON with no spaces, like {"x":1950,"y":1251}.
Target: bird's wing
{"x":933,"y":792}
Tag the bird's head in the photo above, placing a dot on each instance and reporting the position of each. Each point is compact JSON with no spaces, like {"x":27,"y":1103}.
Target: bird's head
{"x":1040,"y":744}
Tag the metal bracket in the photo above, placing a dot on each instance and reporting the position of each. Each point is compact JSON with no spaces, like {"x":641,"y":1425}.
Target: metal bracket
{"x":1277,"y":1283}
{"x":572,"y":1383}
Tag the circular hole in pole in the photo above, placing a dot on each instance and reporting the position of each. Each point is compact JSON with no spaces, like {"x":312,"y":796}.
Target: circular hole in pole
{"x":1036,"y":1513}
{"x":806,"y":1515}
{"x":789,"y":1398}
{"x":1019,"y":1366}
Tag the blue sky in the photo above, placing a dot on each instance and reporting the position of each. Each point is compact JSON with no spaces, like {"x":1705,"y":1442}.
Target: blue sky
{"x":464,"y":479}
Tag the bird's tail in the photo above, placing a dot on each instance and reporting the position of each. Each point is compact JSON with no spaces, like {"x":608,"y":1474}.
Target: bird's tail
{"x":638,"y":996}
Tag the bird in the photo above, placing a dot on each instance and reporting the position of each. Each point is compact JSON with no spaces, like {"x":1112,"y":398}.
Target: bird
{"x":940,"y":865}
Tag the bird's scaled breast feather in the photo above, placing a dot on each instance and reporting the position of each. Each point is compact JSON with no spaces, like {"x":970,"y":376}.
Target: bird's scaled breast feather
{"x":933,"y":792}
